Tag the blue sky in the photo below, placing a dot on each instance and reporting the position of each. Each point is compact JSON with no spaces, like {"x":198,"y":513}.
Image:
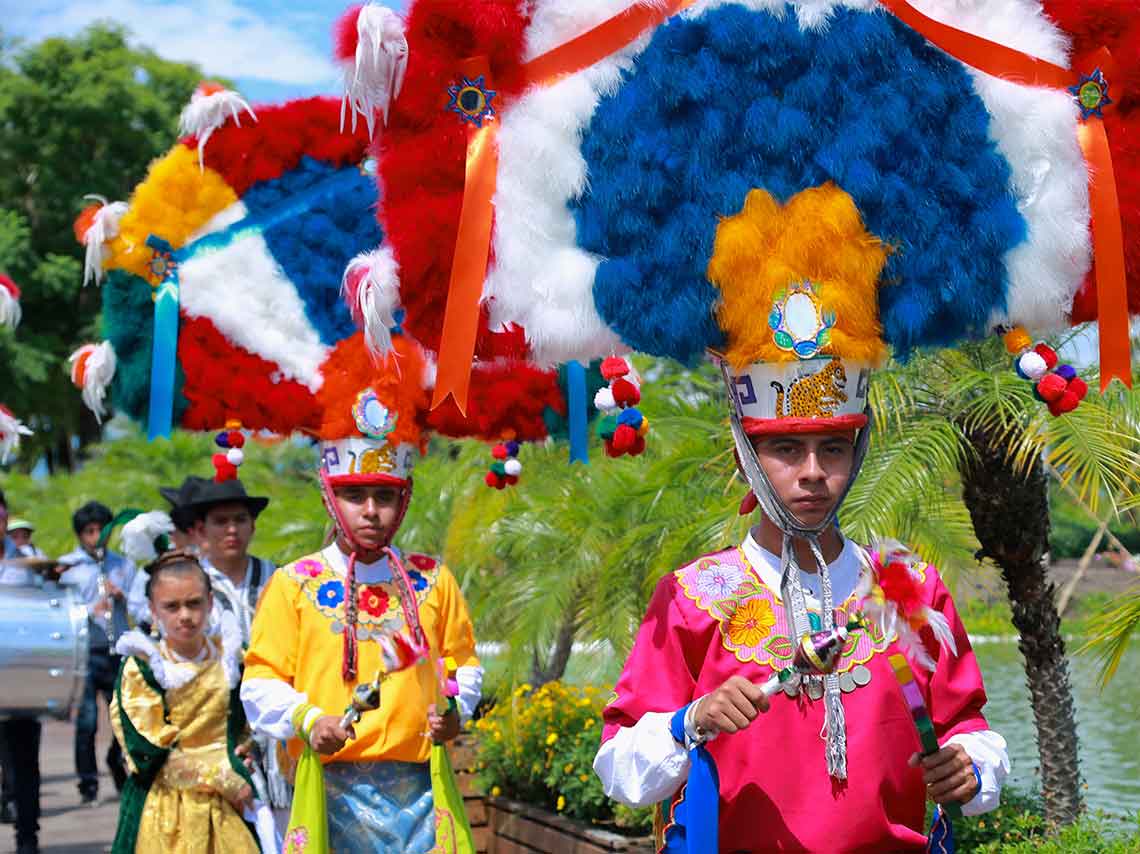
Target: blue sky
{"x":272,"y":49}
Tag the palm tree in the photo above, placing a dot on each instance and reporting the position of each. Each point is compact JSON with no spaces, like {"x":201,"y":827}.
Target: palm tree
{"x":965,"y":412}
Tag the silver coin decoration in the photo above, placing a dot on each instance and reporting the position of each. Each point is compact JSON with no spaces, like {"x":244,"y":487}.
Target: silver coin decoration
{"x":846,"y":683}
{"x":815,"y":688}
{"x":861,"y":675}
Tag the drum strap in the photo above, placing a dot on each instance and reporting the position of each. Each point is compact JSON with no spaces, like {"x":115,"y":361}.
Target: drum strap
{"x":254,"y":585}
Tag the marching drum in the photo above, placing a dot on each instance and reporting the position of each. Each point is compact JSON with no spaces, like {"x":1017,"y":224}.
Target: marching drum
{"x":43,"y":651}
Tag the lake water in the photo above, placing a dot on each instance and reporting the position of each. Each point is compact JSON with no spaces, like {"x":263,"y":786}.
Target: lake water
{"x":1108,"y":723}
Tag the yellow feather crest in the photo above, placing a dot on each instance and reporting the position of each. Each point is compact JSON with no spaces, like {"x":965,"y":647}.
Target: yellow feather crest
{"x":768,"y":250}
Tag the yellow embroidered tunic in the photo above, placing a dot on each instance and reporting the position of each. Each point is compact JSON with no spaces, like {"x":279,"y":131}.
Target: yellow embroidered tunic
{"x":187,"y":807}
{"x":297,"y":639}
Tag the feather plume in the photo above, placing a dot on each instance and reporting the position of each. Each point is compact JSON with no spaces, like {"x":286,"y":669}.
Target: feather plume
{"x":92,"y":369}
{"x":98,"y":224}
{"x":375,"y":62}
{"x":9,"y":302}
{"x":139,"y":535}
{"x":210,"y":107}
{"x":371,"y":288}
{"x":11,"y":429}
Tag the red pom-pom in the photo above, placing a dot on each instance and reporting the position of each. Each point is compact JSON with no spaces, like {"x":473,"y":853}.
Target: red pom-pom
{"x":1048,"y":354}
{"x":235,"y":439}
{"x":901,"y":587}
{"x":345,"y":35}
{"x":511,"y":479}
{"x":1078,"y":387}
{"x":624,"y":438}
{"x":491,"y":479}
{"x":499,"y":452}
{"x":749,"y":504}
{"x":1065,"y":403}
{"x":638,"y":447}
{"x":1051,"y":387}
{"x":223,"y":469}
{"x":611,"y":451}
{"x":614,"y":367}
{"x":625,"y":393}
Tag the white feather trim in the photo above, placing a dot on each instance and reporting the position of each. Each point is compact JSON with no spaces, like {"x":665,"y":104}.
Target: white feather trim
{"x":170,"y":675}
{"x":140,"y":533}
{"x":98,"y":371}
{"x":232,"y":651}
{"x":377,"y":296}
{"x":10,"y":312}
{"x":206,"y":113}
{"x":243,"y":291}
{"x":11,"y":429}
{"x":376,"y":76}
{"x":104,"y":227}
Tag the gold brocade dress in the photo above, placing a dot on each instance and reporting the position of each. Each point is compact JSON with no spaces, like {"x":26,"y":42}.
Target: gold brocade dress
{"x":177,"y":723}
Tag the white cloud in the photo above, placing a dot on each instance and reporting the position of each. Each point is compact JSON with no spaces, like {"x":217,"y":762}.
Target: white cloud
{"x":222,"y":36}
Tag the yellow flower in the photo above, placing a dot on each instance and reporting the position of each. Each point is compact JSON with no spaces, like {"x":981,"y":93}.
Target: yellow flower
{"x":496,"y":791}
{"x":568,"y":768}
{"x":561,"y":805}
{"x":588,"y":724}
{"x":583,"y":777}
{"x":551,"y":738}
{"x":751,"y":623}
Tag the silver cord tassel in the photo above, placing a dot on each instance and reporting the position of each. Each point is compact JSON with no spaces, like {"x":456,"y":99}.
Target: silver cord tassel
{"x":791,"y":586}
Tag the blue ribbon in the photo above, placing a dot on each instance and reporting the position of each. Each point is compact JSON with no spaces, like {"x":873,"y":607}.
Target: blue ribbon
{"x":696,"y":817}
{"x":940,"y":840}
{"x":576,"y":400}
{"x":164,"y":351}
{"x":164,"y":346}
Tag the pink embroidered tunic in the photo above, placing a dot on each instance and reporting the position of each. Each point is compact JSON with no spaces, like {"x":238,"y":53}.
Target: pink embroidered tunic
{"x":716,"y":618}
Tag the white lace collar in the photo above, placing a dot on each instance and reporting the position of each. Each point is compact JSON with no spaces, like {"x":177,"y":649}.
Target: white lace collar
{"x":171,"y":673}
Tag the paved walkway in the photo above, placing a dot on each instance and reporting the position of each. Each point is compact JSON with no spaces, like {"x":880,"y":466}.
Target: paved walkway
{"x":65,"y":826}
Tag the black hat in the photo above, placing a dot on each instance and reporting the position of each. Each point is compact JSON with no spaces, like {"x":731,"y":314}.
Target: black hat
{"x":211,"y":493}
{"x":184,"y":495}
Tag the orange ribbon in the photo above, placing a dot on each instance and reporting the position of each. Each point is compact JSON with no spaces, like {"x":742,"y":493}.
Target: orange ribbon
{"x":472,"y":249}
{"x":606,"y":39}
{"x":1108,"y":235}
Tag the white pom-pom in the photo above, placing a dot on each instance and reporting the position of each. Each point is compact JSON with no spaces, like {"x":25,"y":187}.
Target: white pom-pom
{"x":104,"y":227}
{"x":11,"y":429}
{"x":512,"y":467}
{"x":9,"y":308}
{"x":92,"y":369}
{"x":376,"y":75}
{"x":140,"y":533}
{"x":1032,"y":365}
{"x":235,"y":456}
{"x":211,"y":107}
{"x":604,"y":400}
{"x":371,"y":287}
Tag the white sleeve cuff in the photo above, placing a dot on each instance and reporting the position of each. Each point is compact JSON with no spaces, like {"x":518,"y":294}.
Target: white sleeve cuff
{"x":987,"y":750}
{"x":470,"y":679}
{"x":642,"y":765}
{"x":269,"y":705}
{"x":307,"y":723}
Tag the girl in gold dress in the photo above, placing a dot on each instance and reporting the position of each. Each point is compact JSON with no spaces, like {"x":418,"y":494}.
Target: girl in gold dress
{"x":177,"y":716}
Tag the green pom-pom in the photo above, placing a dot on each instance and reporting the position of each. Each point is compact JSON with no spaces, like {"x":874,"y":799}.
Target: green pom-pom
{"x":499,"y":468}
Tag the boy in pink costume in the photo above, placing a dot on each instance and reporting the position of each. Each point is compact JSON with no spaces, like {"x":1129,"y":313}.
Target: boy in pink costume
{"x":828,"y":763}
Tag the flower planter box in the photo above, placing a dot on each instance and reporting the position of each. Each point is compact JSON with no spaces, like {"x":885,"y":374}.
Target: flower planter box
{"x":517,"y":828}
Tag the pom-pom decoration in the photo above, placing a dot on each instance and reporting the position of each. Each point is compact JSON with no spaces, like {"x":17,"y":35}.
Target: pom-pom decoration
{"x":230,"y":441}
{"x":622,"y":426}
{"x":9,"y":302}
{"x":92,"y":371}
{"x":506,"y":468}
{"x":1057,"y":385}
{"x":893,"y":599}
{"x":11,"y":429}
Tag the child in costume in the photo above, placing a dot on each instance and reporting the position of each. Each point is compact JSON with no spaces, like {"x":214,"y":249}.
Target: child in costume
{"x":177,"y":715}
{"x":345,"y":616}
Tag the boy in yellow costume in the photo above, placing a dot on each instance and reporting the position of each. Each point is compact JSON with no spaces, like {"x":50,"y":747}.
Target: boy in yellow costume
{"x":177,"y":715}
{"x":333,"y":620}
